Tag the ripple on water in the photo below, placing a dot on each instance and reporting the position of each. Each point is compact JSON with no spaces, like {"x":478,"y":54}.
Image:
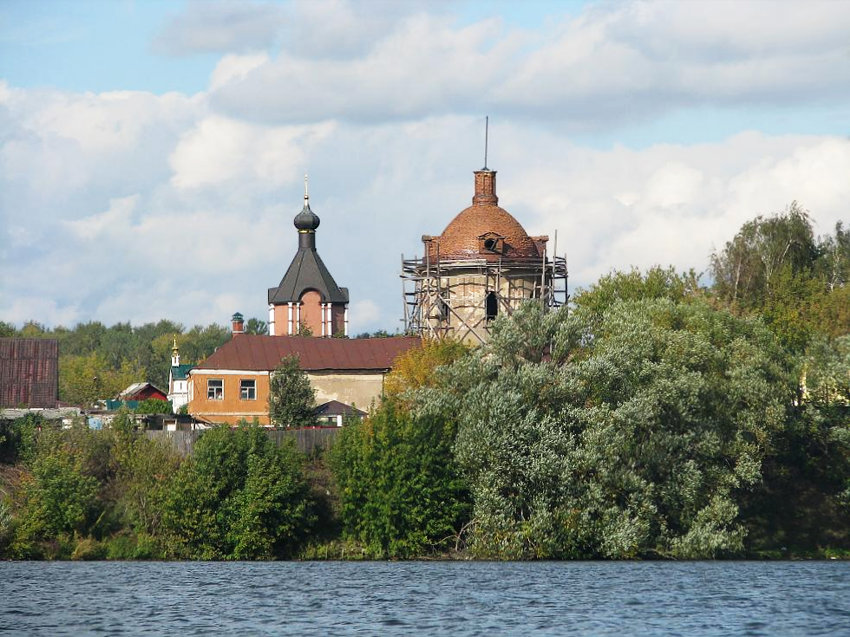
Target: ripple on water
{"x":455,"y":598}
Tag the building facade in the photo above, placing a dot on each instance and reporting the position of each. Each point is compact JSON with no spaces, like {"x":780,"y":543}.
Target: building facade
{"x":233,"y":383}
{"x":482,"y":265}
{"x":178,"y":380}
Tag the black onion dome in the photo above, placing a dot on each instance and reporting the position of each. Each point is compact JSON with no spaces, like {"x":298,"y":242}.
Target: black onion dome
{"x":306,"y":220}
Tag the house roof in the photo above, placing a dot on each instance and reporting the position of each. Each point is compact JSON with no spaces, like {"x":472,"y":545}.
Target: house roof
{"x":263,"y":353}
{"x":336,"y":408}
{"x":138,"y":388}
{"x":180,"y":372}
{"x":307,"y":272}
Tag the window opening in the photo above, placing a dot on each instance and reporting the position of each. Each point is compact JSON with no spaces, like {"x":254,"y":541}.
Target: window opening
{"x":248,"y":389}
{"x":215,"y":389}
{"x":443,"y":306}
{"x":491,"y":306}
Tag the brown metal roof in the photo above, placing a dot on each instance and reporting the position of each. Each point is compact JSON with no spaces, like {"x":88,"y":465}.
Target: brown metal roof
{"x":264,"y":353}
{"x":29,"y":372}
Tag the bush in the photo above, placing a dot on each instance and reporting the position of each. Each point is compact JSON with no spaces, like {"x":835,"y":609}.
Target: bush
{"x":88,"y":549}
{"x":238,"y":497}
{"x":399,"y":488}
{"x":17,"y":438}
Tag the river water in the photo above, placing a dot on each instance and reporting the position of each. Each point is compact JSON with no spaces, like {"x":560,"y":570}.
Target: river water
{"x":432,"y":598}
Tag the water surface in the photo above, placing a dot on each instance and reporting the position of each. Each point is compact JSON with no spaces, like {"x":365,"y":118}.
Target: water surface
{"x":441,"y":598}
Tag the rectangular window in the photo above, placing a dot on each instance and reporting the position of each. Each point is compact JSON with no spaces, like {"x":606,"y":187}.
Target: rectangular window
{"x":215,"y":389}
{"x":248,"y":389}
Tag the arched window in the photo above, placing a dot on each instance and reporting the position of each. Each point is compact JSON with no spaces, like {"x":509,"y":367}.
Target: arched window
{"x":491,"y":306}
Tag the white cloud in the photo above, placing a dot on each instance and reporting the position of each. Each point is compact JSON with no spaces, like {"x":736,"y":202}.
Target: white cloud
{"x":613,"y":63}
{"x":234,"y":67}
{"x":134,"y":206}
{"x":219,"y":151}
{"x":98,"y":226}
{"x":220,"y":27}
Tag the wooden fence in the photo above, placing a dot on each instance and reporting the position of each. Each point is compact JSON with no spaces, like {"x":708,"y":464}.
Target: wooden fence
{"x":306,"y":440}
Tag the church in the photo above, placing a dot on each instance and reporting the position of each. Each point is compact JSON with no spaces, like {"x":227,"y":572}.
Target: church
{"x":308,"y":318}
{"x":482,"y":265}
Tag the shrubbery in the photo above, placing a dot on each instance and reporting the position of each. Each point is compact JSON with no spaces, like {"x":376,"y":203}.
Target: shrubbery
{"x":401,"y":493}
{"x":114,"y":494}
{"x":238,"y":497}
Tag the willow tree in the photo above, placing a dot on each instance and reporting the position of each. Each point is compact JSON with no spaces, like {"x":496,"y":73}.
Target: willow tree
{"x":632,"y":430}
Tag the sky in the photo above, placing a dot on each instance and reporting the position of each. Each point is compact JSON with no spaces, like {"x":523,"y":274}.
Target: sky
{"x":153,"y":153}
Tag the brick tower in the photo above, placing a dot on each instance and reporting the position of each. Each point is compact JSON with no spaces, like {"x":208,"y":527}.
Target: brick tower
{"x":482,"y":265}
{"x":308,"y":300}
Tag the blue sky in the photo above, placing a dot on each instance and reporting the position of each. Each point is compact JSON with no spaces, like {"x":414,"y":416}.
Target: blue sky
{"x":152,"y":153}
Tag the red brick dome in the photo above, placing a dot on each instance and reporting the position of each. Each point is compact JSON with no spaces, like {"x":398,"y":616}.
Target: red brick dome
{"x":484,"y":230}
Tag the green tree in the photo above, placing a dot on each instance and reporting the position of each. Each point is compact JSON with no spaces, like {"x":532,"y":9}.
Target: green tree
{"x":238,"y":497}
{"x":292,"y":400}
{"x":400,"y":491}
{"x":634,"y":285}
{"x":622,"y":431}
{"x":749,"y":269}
{"x":154,"y":406}
{"x":200,"y":342}
{"x":415,"y":368}
{"x":256,"y":326}
{"x":59,"y":498}
{"x":83,"y":379}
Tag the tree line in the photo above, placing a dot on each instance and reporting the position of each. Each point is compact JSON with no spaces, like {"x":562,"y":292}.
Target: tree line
{"x":655,"y":418}
{"x":97,"y":362}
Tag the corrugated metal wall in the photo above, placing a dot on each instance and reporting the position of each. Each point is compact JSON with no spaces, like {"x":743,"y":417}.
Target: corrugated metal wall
{"x":29,"y":372}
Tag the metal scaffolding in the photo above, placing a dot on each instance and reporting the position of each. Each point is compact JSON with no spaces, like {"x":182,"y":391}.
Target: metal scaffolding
{"x":438,"y":302}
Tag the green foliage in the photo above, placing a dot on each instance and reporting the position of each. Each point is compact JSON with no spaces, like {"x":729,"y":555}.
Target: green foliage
{"x":415,"y":368}
{"x":634,"y":285}
{"x":256,"y":326}
{"x":304,"y":330}
{"x":145,"y":471}
{"x":622,"y":434}
{"x":154,"y":406}
{"x":399,"y":488}
{"x":749,"y":268}
{"x":17,"y":438}
{"x":97,"y":362}
{"x":238,"y":497}
{"x":85,"y":379}
{"x":291,"y":398}
{"x":59,"y":498}
{"x":775,"y":268}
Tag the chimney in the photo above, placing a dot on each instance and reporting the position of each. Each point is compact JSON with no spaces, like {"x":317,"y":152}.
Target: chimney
{"x":237,"y":324}
{"x":485,"y":187}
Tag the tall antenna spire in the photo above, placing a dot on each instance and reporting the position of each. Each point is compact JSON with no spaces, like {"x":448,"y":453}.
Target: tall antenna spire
{"x":486,"y":138}
{"x":306,"y":194}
